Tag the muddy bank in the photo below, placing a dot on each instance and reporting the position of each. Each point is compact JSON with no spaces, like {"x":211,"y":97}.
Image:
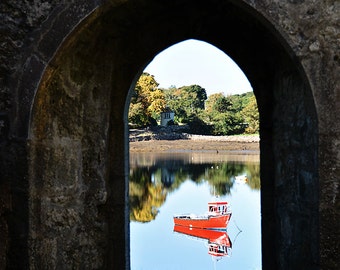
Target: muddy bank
{"x":150,"y":142}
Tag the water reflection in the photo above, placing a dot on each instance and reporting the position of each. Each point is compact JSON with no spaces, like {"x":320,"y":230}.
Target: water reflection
{"x":217,"y":241}
{"x":153,"y":176}
{"x":162,"y":185}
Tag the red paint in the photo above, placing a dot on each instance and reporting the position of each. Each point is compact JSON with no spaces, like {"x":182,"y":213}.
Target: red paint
{"x":218,"y":216}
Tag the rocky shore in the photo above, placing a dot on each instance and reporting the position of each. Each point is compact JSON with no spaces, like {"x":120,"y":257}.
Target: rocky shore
{"x":173,"y":140}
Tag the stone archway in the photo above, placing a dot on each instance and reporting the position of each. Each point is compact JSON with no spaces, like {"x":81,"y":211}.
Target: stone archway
{"x":78,"y":147}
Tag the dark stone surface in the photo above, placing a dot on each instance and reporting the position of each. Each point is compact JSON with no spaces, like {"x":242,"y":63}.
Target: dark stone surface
{"x":66,"y":68}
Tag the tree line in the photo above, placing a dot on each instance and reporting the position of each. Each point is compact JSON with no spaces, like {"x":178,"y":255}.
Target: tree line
{"x":216,"y":114}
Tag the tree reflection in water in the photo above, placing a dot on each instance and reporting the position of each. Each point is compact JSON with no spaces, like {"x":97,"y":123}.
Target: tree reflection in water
{"x":153,"y":176}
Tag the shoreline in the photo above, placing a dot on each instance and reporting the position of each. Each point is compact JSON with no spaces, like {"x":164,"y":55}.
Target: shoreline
{"x":199,"y":143}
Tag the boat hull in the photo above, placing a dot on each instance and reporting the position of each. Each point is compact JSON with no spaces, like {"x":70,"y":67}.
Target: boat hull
{"x":209,"y":222}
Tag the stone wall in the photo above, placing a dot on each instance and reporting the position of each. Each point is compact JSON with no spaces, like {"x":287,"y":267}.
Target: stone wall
{"x":65,"y":73}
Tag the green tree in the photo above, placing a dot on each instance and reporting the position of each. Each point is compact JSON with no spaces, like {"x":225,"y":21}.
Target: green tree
{"x":174,"y":102}
{"x":186,"y":101}
{"x":230,"y":115}
{"x":222,"y":116}
{"x":251,"y":116}
{"x":137,"y":114}
{"x":196,"y":96}
{"x":147,"y":102}
{"x":228,"y":123}
{"x":210,"y":103}
{"x":223,"y":104}
{"x":240,"y":101}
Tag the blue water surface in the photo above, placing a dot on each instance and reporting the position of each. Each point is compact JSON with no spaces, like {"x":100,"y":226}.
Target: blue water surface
{"x":154,"y":245}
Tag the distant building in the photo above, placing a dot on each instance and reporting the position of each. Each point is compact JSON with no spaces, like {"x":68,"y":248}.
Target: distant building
{"x":167,"y":116}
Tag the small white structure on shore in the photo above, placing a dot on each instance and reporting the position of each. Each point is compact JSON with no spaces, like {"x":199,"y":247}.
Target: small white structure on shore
{"x":167,"y":116}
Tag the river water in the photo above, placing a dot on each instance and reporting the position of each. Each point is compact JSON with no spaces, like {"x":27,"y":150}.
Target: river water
{"x":165,"y":184}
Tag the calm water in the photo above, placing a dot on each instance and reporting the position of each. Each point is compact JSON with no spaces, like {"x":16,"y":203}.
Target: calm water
{"x":162,"y":185}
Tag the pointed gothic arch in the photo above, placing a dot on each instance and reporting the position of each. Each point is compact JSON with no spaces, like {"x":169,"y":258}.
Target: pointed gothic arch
{"x":78,"y":132}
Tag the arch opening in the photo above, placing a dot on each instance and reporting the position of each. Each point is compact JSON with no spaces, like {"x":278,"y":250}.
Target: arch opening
{"x":162,"y":170}
{"x":78,"y":135}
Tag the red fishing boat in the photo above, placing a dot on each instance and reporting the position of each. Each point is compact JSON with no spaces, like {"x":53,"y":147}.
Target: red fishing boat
{"x":217,"y":217}
{"x":219,"y":244}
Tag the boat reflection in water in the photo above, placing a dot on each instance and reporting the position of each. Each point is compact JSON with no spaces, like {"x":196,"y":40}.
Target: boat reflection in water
{"x":218,"y":241}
